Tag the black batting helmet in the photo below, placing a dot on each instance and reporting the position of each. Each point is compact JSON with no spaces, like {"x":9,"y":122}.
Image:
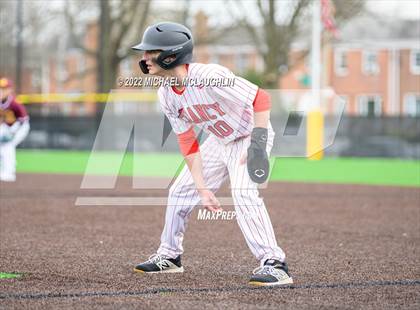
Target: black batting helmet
{"x":172,"y":39}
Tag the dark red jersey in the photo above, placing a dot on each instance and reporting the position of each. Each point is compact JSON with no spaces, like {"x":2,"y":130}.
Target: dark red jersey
{"x":12,"y":111}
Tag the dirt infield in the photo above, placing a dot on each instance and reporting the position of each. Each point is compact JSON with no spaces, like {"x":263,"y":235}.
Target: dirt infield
{"x":347,"y":247}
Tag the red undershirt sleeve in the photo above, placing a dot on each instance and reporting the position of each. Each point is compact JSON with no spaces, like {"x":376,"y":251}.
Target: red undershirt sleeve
{"x":188,"y":143}
{"x":262,"y":101}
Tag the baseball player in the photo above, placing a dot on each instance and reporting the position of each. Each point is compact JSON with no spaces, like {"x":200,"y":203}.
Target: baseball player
{"x":14,"y":127}
{"x":240,"y":137}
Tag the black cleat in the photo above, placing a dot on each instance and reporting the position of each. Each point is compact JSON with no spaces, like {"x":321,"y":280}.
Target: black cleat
{"x":159,"y":264}
{"x":272,"y":273}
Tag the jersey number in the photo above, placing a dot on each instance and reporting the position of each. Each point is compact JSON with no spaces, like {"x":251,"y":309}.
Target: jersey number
{"x":221,"y":129}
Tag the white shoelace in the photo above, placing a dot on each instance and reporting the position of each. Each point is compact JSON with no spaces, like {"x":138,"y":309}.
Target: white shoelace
{"x":156,"y":259}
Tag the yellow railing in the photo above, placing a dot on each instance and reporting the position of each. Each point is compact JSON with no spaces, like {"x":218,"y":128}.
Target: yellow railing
{"x":88,"y":97}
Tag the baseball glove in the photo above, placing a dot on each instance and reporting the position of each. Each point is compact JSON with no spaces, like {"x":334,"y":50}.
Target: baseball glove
{"x":257,"y":159}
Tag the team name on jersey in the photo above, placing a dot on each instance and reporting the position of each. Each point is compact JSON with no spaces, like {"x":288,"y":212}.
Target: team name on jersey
{"x":226,"y":112}
{"x":199,"y":113}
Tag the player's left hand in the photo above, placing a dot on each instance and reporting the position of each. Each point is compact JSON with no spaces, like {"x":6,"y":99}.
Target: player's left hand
{"x":257,"y":158}
{"x":5,"y":134}
{"x":209,"y":201}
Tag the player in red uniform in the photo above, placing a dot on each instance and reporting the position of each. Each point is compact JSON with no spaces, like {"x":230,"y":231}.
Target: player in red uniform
{"x":14,"y":127}
{"x":236,"y":118}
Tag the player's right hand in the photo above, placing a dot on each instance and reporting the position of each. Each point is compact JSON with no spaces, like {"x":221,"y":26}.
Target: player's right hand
{"x":209,"y":201}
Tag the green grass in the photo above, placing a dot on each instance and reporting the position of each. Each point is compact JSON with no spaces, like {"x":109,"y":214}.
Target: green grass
{"x":328,"y":170}
{"x":5,"y":275}
{"x":349,"y":170}
{"x":104,"y":163}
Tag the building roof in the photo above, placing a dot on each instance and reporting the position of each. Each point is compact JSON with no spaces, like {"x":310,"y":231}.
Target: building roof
{"x":366,"y":27}
{"x":232,"y":36}
{"x":369,"y":26}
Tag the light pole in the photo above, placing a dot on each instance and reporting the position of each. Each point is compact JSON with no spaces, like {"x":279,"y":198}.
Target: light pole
{"x":315,"y":118}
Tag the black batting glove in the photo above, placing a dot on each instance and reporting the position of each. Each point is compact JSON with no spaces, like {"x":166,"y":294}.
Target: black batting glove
{"x":257,"y":160}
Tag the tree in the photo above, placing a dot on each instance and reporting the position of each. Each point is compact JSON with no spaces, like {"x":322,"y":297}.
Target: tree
{"x":7,"y":42}
{"x":274,"y":39}
{"x":119,"y":24}
{"x":35,"y":38}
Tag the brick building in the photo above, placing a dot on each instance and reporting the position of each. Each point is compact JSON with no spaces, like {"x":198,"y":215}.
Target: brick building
{"x":374,"y":67}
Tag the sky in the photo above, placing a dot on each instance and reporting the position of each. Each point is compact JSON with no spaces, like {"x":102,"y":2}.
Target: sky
{"x":399,"y":8}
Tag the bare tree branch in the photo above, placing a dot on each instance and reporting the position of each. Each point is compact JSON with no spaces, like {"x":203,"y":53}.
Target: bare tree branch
{"x":145,"y":11}
{"x":271,"y":11}
{"x":277,"y":38}
{"x":260,"y":8}
{"x":298,"y":10}
{"x":123,"y":25}
{"x":345,"y":10}
{"x":251,"y":28}
{"x":136,"y":26}
{"x":186,"y":12}
{"x":81,"y":74}
{"x":68,"y":16}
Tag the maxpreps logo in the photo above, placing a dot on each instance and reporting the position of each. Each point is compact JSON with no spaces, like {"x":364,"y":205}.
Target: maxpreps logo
{"x":205,"y":215}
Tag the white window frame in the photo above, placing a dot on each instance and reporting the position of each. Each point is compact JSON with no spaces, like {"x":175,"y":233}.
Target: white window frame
{"x":414,"y":68}
{"x":369,"y":68}
{"x":339,"y":101}
{"x":363,"y":108}
{"x":338,"y":56}
{"x":241,"y":62}
{"x":410,"y":105}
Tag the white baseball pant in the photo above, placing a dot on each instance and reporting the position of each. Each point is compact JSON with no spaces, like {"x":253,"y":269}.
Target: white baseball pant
{"x":220,"y":161}
{"x":8,"y":153}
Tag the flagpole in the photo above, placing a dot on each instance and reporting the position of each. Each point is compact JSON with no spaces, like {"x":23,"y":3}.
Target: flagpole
{"x":316,"y":54}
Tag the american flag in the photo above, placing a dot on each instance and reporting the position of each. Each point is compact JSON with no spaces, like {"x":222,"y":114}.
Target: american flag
{"x":327,"y":16}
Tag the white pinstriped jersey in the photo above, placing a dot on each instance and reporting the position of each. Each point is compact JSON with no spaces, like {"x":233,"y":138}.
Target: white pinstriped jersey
{"x":227,"y":113}
{"x":223,"y":111}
